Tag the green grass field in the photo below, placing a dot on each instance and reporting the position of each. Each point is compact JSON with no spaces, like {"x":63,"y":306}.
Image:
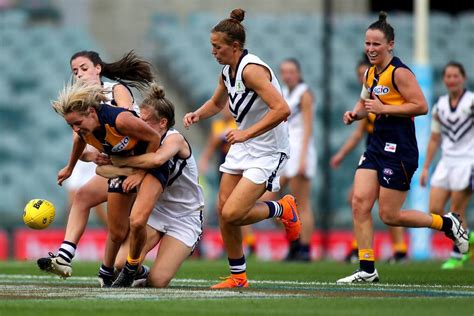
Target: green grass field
{"x":276,"y":289}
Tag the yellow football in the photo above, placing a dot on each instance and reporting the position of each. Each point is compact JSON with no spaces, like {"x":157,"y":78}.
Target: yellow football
{"x":38,"y":214}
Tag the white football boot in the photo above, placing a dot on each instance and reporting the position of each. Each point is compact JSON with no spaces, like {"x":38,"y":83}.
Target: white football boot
{"x":56,"y":265}
{"x":360,"y":276}
{"x":458,"y":234}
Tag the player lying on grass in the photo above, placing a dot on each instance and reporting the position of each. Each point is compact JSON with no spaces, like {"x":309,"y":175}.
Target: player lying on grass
{"x":176,"y":220}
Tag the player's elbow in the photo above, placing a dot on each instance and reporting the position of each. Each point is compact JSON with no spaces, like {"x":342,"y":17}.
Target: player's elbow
{"x":423,"y":109}
{"x":157,"y":161}
{"x":285,"y":112}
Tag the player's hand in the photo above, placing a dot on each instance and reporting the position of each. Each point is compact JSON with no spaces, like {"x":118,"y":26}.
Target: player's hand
{"x":374,"y":106}
{"x":133,"y":180}
{"x":102,"y":159}
{"x":119,"y":161}
{"x":349,"y":117}
{"x":236,"y":136}
{"x":424,"y":177}
{"x":63,"y":174}
{"x":336,"y":160}
{"x":190,"y":118}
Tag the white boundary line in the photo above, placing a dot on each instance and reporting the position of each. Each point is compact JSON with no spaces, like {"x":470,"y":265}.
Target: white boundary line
{"x":6,"y":277}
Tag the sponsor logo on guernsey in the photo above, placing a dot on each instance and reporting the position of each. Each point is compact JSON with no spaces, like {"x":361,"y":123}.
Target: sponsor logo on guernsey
{"x":390,"y":147}
{"x":387,"y":171}
{"x":381,"y":90}
{"x":239,"y":87}
{"x":121,"y":145}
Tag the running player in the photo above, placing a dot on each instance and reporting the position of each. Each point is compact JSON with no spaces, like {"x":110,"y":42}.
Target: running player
{"x":87,"y":66}
{"x":366,"y":126}
{"x":452,"y":128}
{"x":217,"y":142}
{"x":176,"y":219}
{"x":114,"y":131}
{"x":301,"y":166}
{"x":385,"y":170}
{"x":259,"y":147}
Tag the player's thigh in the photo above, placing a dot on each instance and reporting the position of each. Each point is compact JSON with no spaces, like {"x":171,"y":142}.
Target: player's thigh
{"x":227,"y":185}
{"x":118,"y":211}
{"x":93,"y":192}
{"x":390,"y":203}
{"x":438,"y":199}
{"x":365,"y":189}
{"x":169,"y":258}
{"x":243,"y":198}
{"x":149,"y":192}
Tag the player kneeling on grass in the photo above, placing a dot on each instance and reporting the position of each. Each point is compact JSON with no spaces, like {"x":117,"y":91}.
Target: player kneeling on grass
{"x":176,"y":219}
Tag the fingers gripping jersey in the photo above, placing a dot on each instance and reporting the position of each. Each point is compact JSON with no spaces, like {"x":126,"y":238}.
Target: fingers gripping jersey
{"x":108,"y":139}
{"x":393,"y":136}
{"x":457,"y":126}
{"x":248,"y":108}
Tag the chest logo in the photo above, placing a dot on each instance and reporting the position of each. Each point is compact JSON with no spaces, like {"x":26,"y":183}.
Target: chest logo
{"x":121,"y":145}
{"x":239,"y":87}
{"x":381,"y":90}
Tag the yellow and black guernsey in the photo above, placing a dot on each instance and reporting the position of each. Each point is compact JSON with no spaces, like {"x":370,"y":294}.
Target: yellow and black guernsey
{"x":108,"y":138}
{"x":392,"y":136}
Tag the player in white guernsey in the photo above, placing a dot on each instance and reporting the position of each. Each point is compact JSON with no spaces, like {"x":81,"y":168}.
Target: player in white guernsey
{"x":301,"y":165}
{"x":176,"y":220}
{"x":452,"y":128}
{"x":259,"y":147}
{"x":87,"y":66}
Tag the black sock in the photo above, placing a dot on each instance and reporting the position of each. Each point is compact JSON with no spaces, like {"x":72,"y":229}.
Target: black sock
{"x":106,"y":272}
{"x":447,"y":224}
{"x":367,"y":266}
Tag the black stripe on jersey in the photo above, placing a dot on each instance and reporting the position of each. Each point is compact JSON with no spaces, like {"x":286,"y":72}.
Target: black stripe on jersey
{"x":235,"y":110}
{"x":247,"y":108}
{"x":180,"y":172}
{"x":453,"y":122}
{"x":232,"y":79}
{"x":451,"y":129}
{"x":175,"y":161}
{"x":455,"y":138}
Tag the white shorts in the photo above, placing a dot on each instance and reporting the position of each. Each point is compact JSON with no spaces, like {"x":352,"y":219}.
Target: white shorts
{"x":453,"y":175}
{"x":291,"y":168}
{"x":187,"y":229}
{"x":83,"y":172}
{"x":265,"y":169}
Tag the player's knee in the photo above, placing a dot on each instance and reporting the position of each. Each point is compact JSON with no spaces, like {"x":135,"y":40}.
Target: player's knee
{"x":137,"y":222}
{"x":230,"y":216}
{"x":389,"y":218}
{"x":359,"y":206}
{"x":220,"y":205}
{"x":161,"y":280}
{"x":118,"y":235}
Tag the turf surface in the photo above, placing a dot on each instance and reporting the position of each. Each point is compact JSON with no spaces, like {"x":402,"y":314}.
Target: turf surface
{"x":419,"y":288}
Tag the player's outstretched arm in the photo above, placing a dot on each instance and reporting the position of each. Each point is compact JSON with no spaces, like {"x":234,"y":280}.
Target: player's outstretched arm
{"x":210,"y":108}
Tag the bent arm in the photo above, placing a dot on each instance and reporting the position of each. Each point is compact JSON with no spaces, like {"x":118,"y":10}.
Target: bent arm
{"x":172,"y":145}
{"x":257,"y":78}
{"x":433,"y":145}
{"x":122,"y":97}
{"x":215,"y":104}
{"x":109,"y":171}
{"x":130,"y":125}
{"x":78,"y":146}
{"x":410,"y":90}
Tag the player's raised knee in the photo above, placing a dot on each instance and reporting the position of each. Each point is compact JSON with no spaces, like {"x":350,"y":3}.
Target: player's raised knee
{"x":389,"y":218}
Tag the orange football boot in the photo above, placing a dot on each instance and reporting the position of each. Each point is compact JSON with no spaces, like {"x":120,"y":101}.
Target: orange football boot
{"x":290,"y":217}
{"x":232,"y":281}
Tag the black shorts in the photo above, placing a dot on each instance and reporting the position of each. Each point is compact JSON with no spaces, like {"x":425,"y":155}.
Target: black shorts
{"x":161,"y":174}
{"x":391,"y":172}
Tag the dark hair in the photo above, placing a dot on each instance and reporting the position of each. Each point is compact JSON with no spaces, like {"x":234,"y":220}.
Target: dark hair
{"x":232,"y":27}
{"x":162,"y":107}
{"x":130,"y":69}
{"x":364,"y":61}
{"x":297,"y":64}
{"x":457,"y":65}
{"x":382,"y":25}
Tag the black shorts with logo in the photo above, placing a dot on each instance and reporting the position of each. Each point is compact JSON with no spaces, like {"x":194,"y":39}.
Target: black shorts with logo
{"x":392,"y":173}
